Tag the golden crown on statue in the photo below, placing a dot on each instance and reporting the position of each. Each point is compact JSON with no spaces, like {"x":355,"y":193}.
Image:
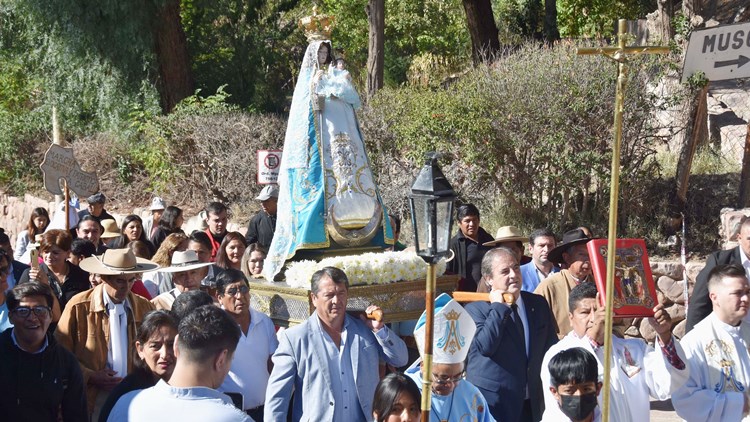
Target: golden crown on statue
{"x":317,"y":27}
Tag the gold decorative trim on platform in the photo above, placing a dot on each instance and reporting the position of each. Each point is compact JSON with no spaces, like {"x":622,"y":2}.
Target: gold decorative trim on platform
{"x":400,"y":301}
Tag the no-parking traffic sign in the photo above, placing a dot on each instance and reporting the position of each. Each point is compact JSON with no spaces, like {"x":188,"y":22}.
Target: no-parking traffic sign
{"x":269,"y":161}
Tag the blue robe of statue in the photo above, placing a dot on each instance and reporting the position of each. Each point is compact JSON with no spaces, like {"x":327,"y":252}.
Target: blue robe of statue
{"x":326,"y":188}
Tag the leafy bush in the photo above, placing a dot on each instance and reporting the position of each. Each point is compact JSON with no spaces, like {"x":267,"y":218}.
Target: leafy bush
{"x":205,"y":150}
{"x":529,"y":136}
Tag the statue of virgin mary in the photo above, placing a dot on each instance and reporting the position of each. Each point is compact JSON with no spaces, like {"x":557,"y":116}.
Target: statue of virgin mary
{"x":327,"y":194}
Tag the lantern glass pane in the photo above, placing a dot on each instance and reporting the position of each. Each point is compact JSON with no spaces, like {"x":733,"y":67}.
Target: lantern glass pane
{"x":444,"y":211}
{"x":421,"y":212}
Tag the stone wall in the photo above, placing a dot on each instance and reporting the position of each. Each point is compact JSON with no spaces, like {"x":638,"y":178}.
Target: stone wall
{"x":17,"y":210}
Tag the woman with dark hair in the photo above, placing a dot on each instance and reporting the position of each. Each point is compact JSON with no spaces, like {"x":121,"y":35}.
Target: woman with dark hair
{"x":252,"y":260}
{"x":231,"y":250}
{"x":65,"y":279}
{"x":153,"y":357}
{"x":170,"y":222}
{"x":397,"y":399}
{"x":132,"y":230}
{"x":38,"y":222}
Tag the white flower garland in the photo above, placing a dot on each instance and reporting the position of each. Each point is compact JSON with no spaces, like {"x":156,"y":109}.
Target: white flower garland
{"x":368,"y":268}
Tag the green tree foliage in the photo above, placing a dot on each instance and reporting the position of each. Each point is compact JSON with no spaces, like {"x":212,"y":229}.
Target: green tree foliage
{"x":250,"y":46}
{"x":21,"y":112}
{"x":413,"y":29}
{"x":543,"y":149}
{"x":92,"y":57}
{"x":598,"y":18}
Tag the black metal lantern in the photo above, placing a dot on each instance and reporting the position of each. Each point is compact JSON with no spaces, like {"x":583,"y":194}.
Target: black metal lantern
{"x":431,"y":202}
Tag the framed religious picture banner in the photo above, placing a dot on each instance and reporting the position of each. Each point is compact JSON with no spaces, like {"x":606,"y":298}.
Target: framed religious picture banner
{"x":635,"y":293}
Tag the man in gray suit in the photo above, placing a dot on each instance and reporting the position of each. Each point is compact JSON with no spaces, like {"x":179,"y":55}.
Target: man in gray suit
{"x":331,"y":360}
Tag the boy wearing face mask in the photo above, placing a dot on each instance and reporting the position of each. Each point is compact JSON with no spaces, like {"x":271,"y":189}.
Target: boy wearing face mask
{"x":638,"y":371}
{"x":574,"y":382}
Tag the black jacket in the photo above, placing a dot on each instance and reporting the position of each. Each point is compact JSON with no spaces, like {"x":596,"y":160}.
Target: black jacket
{"x":498,"y":364}
{"x":260,"y":229}
{"x":469,"y":271}
{"x":700,"y":305}
{"x":18,"y":269}
{"x":35,"y":387}
{"x":75,"y":282}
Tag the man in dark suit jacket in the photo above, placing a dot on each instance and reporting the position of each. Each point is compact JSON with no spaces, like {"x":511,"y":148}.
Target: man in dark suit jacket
{"x":514,"y":331}
{"x":700,"y":305}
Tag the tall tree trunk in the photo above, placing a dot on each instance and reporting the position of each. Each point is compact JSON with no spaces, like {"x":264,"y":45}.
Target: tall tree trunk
{"x":530,"y":28}
{"x":175,"y":74}
{"x":551,"y":33}
{"x":375,"y":53}
{"x":482,"y":29}
{"x":666,"y":14}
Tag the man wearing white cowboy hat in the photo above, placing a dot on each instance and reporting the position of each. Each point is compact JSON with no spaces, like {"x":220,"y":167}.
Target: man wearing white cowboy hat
{"x":185,"y":276}
{"x":453,"y":398}
{"x":99,"y":325}
{"x":511,"y":238}
{"x":157,"y":209}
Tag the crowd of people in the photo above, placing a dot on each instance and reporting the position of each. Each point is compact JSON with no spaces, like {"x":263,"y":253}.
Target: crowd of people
{"x":141,"y":321}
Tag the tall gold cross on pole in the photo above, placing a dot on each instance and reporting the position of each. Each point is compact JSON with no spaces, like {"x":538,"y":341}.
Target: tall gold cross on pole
{"x":618,"y":54}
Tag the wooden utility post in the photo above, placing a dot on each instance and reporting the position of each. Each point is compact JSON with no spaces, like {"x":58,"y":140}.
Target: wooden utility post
{"x":619,"y":54}
{"x":744,"y":199}
{"x":695,"y":133}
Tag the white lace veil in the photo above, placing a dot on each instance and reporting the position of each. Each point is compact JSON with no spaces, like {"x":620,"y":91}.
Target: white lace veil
{"x":295,"y":156}
{"x":296,"y":139}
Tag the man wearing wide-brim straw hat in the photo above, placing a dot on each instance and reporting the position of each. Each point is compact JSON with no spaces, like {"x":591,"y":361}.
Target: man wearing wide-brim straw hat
{"x":556,"y":288}
{"x":511,"y":238}
{"x":453,"y":398}
{"x":99,"y":325}
{"x":111,"y":230}
{"x":185,"y":276}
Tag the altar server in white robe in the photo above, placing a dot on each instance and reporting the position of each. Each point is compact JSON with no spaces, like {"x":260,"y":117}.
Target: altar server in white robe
{"x":453,"y":398}
{"x":717,"y":350}
{"x":638,"y":372}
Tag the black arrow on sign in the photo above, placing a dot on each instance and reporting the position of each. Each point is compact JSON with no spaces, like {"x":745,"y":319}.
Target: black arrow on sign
{"x":739,"y":62}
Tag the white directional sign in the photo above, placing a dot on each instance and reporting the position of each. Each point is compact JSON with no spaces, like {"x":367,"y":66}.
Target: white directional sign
{"x":268,"y":166}
{"x":721,"y":52}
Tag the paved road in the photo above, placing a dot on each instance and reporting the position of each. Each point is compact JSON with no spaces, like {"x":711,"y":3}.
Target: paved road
{"x":662,"y":411}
